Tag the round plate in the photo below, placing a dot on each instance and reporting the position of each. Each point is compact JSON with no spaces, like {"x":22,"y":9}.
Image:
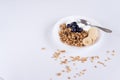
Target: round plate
{"x":56,"y":38}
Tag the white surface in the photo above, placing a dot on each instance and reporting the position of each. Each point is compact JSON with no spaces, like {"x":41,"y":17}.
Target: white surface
{"x":25,"y":27}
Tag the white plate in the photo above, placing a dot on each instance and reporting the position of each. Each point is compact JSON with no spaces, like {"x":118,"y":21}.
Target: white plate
{"x":71,"y":19}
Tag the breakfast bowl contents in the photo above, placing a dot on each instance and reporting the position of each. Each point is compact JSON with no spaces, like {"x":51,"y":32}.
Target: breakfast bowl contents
{"x":78,"y":34}
{"x":76,"y":31}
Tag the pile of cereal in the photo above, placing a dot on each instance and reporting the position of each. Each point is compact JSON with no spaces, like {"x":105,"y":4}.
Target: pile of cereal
{"x":74,"y":35}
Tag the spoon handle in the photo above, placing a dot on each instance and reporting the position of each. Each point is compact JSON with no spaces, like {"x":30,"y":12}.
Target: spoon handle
{"x":104,"y":29}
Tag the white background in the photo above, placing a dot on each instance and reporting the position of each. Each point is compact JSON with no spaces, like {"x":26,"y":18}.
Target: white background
{"x":24,"y":25}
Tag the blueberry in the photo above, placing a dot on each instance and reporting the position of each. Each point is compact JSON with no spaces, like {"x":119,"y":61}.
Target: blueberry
{"x":77,"y":26}
{"x":74,"y":29}
{"x":79,"y":29}
{"x":74,"y":26}
{"x":73,"y":23}
{"x":68,"y":25}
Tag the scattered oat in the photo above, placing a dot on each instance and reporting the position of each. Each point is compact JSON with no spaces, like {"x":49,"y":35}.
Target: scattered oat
{"x":107,"y":51}
{"x":63,"y":70}
{"x":95,"y":66}
{"x":62,"y":51}
{"x":113,"y":51}
{"x":58,"y":74}
{"x":56,"y":55}
{"x":68,"y":69}
{"x":101,"y":63}
{"x":81,"y":73}
{"x":83,"y":59}
{"x":69,"y":77}
{"x":96,"y":57}
{"x":84,"y":70}
{"x":65,"y":61}
{"x":93,"y":58}
{"x":113,"y":54}
{"x":105,"y":60}
{"x":108,"y":58}
{"x":76,"y":58}
{"x":43,"y":48}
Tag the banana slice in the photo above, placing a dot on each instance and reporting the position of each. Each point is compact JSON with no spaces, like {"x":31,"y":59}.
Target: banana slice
{"x":87,"y":41}
{"x":93,"y":33}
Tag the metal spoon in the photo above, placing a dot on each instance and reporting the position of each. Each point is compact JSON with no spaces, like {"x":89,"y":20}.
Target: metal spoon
{"x":87,"y":23}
